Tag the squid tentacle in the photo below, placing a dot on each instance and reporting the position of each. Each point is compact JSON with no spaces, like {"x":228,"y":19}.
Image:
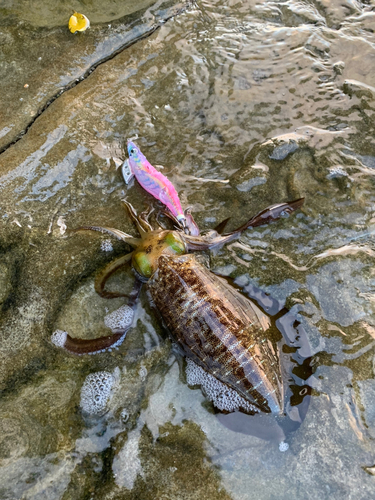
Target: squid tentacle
{"x":143,"y":218}
{"x":220,"y":227}
{"x":269,"y":214}
{"x":170,"y":216}
{"x":80,"y":347}
{"x":142,"y":226}
{"x":192,"y":226}
{"x":188,"y":223}
{"x":120,"y":235}
{"x":100,"y":344}
{"x":103,"y":276}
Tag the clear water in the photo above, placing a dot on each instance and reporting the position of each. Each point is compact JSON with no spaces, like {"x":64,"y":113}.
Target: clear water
{"x":245,"y":104}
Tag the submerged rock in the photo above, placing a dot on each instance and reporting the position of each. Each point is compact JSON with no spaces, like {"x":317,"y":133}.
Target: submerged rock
{"x":283,"y":150}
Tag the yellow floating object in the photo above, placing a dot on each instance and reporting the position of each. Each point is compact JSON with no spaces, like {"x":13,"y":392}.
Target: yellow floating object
{"x":78,"y":22}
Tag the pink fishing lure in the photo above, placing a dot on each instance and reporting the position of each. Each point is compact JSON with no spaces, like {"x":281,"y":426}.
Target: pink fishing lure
{"x":154,"y":182}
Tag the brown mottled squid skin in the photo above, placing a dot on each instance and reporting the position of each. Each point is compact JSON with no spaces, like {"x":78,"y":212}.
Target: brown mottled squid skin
{"x":219,"y":329}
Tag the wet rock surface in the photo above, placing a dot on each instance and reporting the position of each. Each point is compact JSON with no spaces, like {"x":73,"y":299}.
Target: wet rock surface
{"x":246,"y":105}
{"x":40,"y":59}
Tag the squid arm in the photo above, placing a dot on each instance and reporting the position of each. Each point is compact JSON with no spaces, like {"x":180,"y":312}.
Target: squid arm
{"x":134,"y":242}
{"x":103,"y":276}
{"x":100,"y":344}
{"x":269,"y":214}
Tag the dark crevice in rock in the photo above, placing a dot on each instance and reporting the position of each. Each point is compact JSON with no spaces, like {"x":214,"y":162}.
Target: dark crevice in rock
{"x":18,"y":380}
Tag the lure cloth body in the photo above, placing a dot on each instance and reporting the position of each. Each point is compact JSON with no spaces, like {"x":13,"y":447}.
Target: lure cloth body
{"x":153,"y":181}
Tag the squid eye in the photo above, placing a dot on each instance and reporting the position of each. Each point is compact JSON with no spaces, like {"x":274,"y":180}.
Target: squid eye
{"x":142,"y":264}
{"x":175,"y":243}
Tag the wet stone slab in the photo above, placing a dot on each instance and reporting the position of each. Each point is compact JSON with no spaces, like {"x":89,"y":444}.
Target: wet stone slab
{"x":245,"y":105}
{"x":40,"y":58}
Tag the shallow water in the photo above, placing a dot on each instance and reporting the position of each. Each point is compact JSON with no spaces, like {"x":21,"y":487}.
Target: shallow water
{"x":245,"y":104}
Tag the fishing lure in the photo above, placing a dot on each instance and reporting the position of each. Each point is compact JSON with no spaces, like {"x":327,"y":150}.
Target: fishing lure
{"x":155,"y":183}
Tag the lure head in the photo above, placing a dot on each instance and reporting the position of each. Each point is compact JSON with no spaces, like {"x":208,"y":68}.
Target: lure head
{"x":136,"y":156}
{"x":145,"y":259}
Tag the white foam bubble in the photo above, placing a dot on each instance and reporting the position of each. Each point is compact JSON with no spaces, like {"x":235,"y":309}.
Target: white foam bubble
{"x":61,"y":224}
{"x":283,"y":446}
{"x":120,"y":319}
{"x":106,"y":246}
{"x":96,"y":391}
{"x":143,"y":373}
{"x":59,"y":338}
{"x":222,"y":396}
{"x":124,"y":416}
{"x":336,"y":171}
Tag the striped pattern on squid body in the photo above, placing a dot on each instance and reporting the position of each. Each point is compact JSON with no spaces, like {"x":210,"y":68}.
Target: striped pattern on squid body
{"x":218,"y":328}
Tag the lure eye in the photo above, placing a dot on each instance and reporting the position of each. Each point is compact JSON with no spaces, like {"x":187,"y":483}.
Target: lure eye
{"x":132,"y":151}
